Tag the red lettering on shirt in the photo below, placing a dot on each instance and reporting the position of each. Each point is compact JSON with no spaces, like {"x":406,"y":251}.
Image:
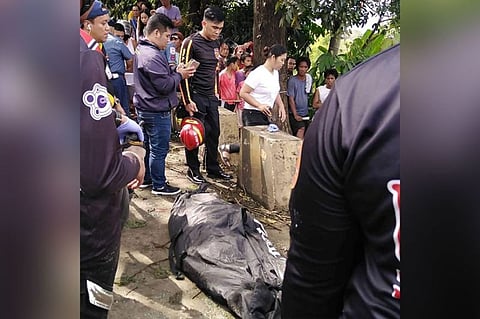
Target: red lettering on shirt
{"x":393,"y":187}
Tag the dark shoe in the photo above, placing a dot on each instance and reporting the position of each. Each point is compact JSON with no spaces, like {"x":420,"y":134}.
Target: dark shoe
{"x":195,"y":177}
{"x":219,"y":175}
{"x":145,"y":185}
{"x":166,"y":190}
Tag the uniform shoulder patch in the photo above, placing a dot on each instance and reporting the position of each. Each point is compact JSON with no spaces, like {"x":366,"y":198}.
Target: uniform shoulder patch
{"x":97,"y":100}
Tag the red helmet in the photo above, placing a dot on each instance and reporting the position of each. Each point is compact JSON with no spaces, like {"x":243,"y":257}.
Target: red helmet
{"x":192,"y":133}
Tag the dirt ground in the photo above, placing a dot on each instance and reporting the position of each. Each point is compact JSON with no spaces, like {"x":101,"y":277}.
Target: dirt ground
{"x":144,"y":286}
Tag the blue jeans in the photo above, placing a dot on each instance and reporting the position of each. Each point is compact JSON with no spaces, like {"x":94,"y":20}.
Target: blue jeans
{"x":156,"y":128}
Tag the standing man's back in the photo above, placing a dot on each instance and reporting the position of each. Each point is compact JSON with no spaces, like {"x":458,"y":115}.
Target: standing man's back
{"x":344,"y":258}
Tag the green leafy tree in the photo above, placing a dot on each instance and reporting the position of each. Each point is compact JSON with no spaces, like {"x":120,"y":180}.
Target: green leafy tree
{"x":360,"y":49}
{"x":309,"y":20}
{"x":334,"y":17}
{"x":238,"y":15}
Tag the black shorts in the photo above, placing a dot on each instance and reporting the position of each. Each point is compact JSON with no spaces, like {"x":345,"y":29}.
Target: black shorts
{"x":296,"y":125}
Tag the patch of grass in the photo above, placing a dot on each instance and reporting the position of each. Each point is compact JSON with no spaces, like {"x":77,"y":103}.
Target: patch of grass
{"x":125,"y":280}
{"x":135,"y":223}
{"x":160,"y":273}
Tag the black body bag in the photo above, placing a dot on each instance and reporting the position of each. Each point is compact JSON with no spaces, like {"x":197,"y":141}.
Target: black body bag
{"x":226,"y":252}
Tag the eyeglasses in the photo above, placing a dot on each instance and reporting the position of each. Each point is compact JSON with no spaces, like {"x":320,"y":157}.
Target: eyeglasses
{"x":174,"y":38}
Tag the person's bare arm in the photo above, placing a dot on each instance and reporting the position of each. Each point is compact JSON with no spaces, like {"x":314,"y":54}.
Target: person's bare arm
{"x":281,"y":108}
{"x":245,"y":95}
{"x":129,"y":65}
{"x":316,"y":100}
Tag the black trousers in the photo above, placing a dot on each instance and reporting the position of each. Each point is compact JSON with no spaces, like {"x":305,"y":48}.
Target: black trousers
{"x":208,"y":113}
{"x":101,"y":272}
{"x":89,"y":311}
{"x":253,"y":118}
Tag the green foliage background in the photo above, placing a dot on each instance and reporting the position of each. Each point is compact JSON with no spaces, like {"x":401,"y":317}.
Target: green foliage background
{"x":238,"y":15}
{"x":354,"y":52}
{"x":310,"y":26}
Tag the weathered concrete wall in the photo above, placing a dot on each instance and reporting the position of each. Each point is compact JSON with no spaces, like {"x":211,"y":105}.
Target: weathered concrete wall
{"x":229,"y":131}
{"x":267,"y":165}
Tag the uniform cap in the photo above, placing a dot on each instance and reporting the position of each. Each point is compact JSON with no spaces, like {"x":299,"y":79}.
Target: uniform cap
{"x":97,"y":10}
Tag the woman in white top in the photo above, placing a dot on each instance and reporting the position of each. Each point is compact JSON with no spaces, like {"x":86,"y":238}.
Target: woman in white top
{"x":322,"y":92}
{"x":142,"y":23}
{"x":261,"y":89}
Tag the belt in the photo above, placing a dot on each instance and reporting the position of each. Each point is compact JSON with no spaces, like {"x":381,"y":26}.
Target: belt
{"x":116,"y":75}
{"x":155,"y":112}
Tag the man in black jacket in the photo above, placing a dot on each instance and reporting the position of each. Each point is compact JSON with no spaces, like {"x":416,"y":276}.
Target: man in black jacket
{"x":155,"y":95}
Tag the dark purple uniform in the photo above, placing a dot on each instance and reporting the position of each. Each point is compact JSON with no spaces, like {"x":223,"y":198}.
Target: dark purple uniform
{"x":344,"y":257}
{"x":104,"y":173}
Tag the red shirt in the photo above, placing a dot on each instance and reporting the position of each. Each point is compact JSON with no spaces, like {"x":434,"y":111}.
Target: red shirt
{"x":228,"y":90}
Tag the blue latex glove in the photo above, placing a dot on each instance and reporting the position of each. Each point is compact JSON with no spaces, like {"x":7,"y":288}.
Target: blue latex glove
{"x":130,"y":126}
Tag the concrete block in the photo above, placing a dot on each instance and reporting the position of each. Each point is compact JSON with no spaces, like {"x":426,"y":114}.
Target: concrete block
{"x":267,"y":165}
{"x":229,"y":131}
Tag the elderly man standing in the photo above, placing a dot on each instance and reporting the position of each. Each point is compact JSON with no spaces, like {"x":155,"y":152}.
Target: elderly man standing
{"x":155,"y":95}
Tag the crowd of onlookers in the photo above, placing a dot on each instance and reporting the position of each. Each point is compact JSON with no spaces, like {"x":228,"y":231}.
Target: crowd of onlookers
{"x":235,"y":62}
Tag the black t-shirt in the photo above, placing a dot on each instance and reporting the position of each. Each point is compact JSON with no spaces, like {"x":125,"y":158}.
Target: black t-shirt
{"x":205,"y":79}
{"x":344,"y":258}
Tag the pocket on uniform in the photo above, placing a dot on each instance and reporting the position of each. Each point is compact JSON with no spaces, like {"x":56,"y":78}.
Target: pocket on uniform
{"x":99,"y":296}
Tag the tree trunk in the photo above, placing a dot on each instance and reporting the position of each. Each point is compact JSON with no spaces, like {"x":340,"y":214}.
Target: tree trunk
{"x":194,"y":16}
{"x":334,"y":44}
{"x":266,"y":32}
